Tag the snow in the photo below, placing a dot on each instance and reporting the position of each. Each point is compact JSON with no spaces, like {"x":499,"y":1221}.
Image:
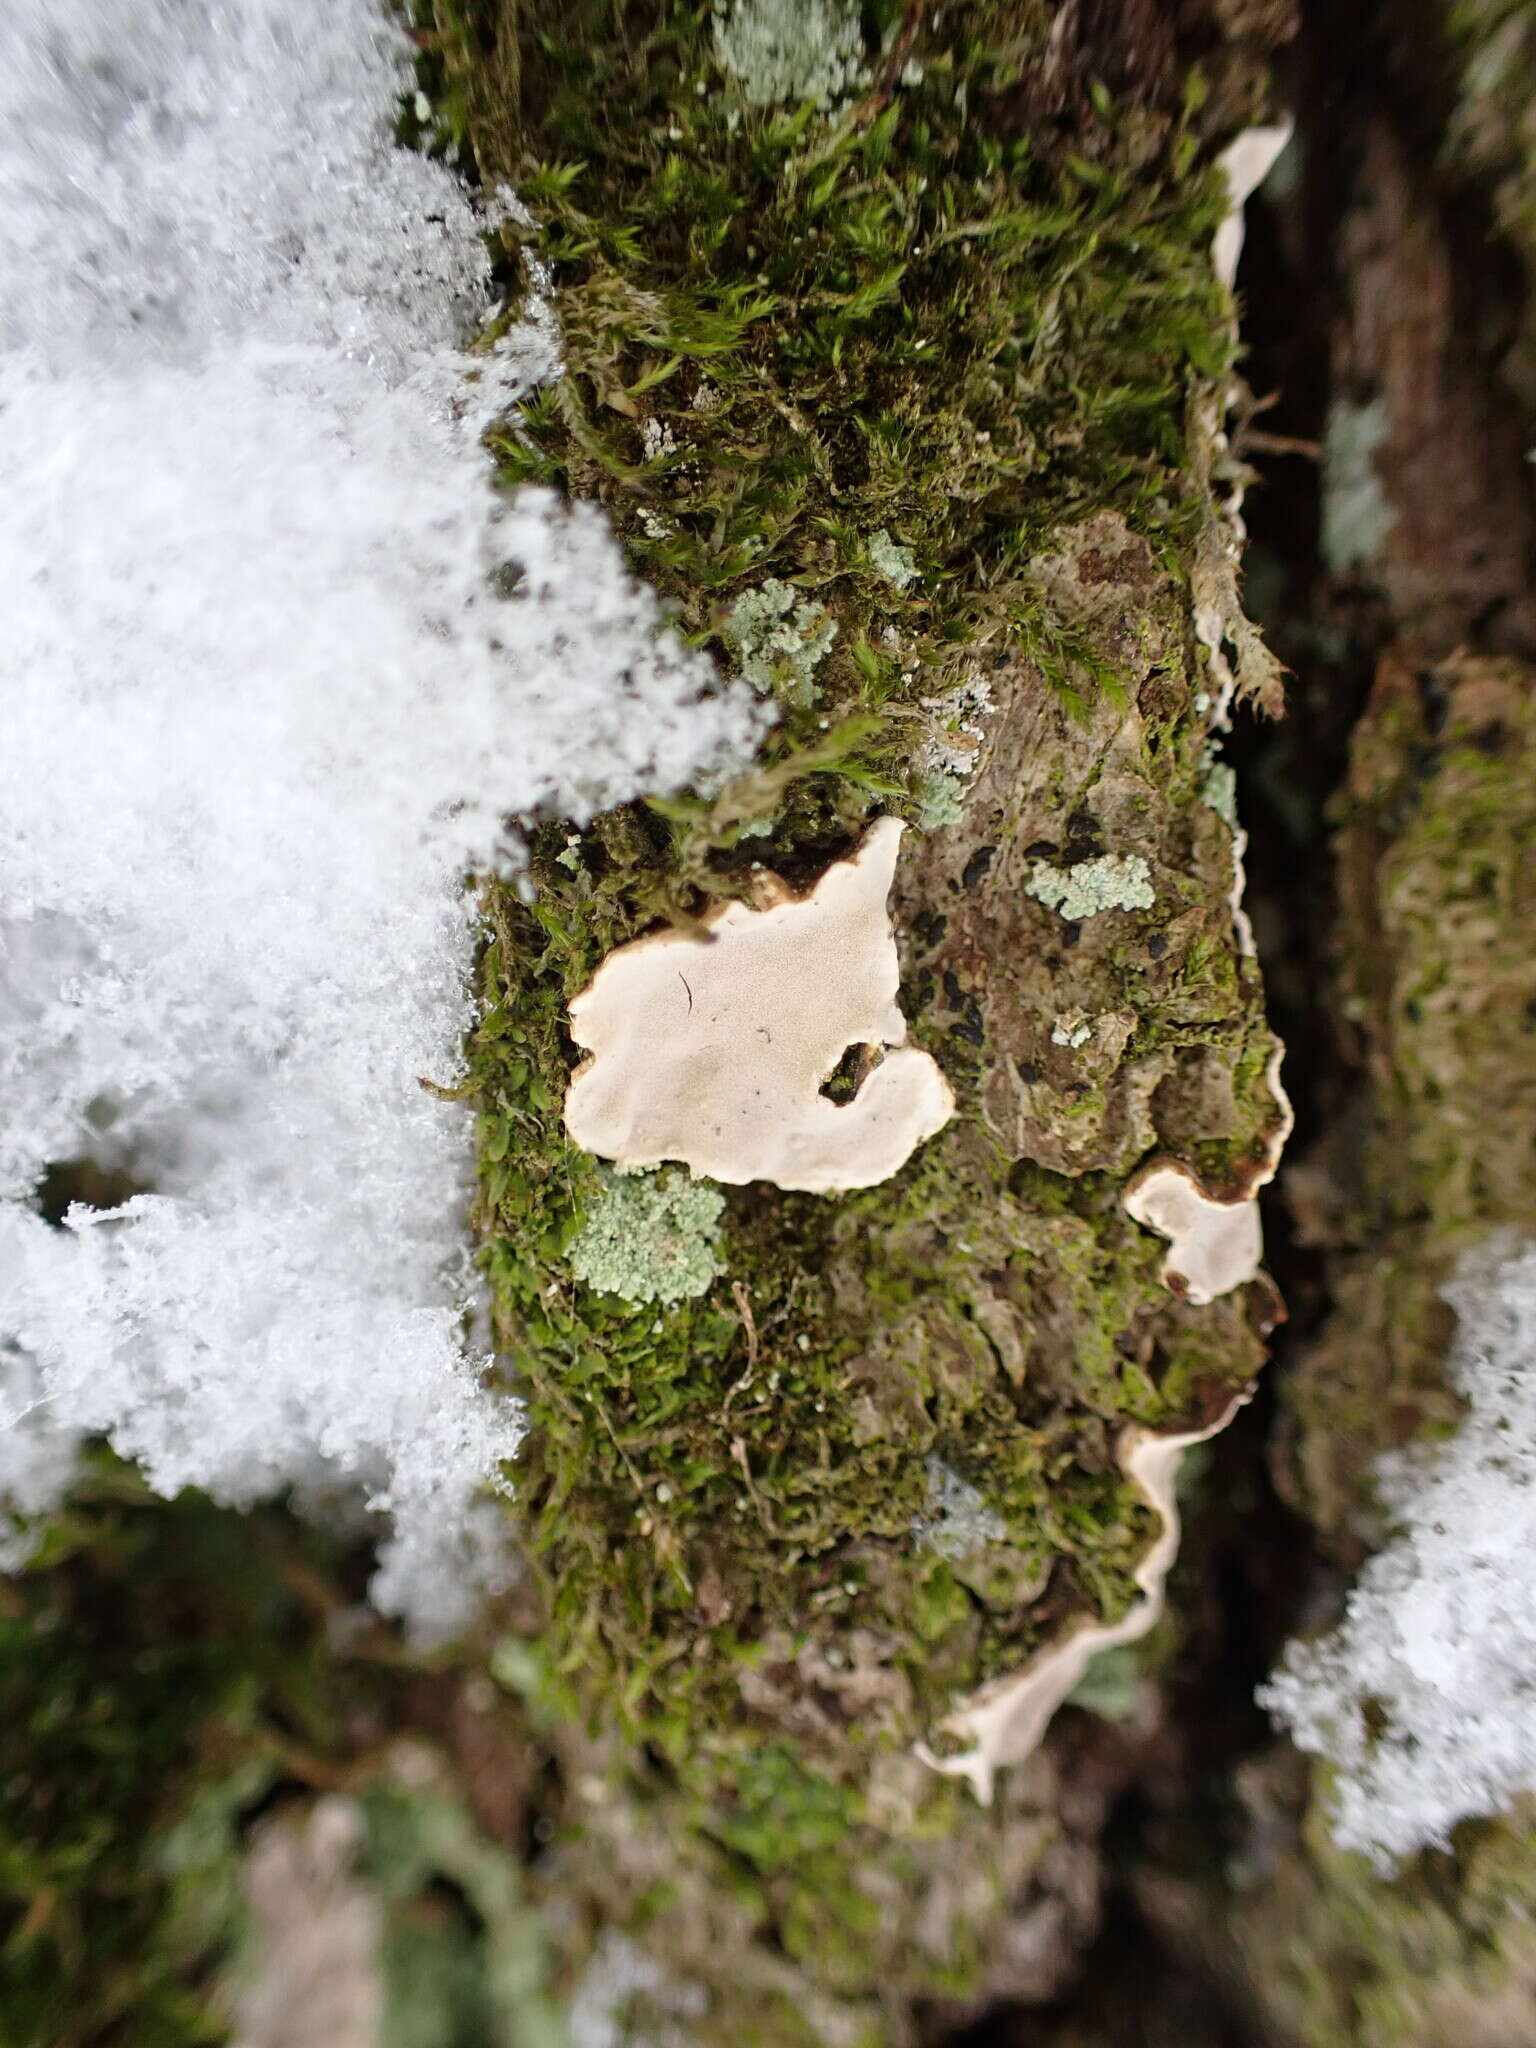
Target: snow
{"x":278,"y":662}
{"x":1437,"y":1646}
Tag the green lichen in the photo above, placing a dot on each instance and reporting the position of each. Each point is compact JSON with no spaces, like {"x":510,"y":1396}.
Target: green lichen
{"x":792,"y":51}
{"x":650,"y":1237}
{"x":1356,"y":515}
{"x":778,"y":642}
{"x":1218,"y":792}
{"x":1108,"y":881}
{"x":889,"y":559}
{"x":940,"y":801}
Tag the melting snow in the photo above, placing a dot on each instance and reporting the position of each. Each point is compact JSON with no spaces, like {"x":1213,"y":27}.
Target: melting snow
{"x":1423,"y":1696}
{"x":261,"y":709}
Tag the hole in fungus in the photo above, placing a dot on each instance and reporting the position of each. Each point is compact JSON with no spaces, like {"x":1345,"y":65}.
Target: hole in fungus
{"x":851,"y":1071}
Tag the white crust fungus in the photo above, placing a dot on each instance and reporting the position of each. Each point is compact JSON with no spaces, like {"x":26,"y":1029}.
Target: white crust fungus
{"x":713,"y":1048}
{"x":1216,"y":1241}
{"x":1215,"y":1245}
{"x":1005,"y":1721}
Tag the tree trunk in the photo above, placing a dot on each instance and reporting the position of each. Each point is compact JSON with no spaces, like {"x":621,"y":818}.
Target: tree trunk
{"x":898,"y":355}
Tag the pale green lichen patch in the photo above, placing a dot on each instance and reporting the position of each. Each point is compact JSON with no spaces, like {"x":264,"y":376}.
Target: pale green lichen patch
{"x":650,"y":1237}
{"x":778,"y":641}
{"x":790,"y":51}
{"x":888,"y":558}
{"x":1110,"y":881}
{"x":940,"y":802}
{"x":1218,"y":792}
{"x":1356,"y":515}
{"x":1073,"y":1028}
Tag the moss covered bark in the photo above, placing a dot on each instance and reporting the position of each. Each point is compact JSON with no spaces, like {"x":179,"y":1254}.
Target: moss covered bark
{"x":1425,"y":1066}
{"x":902,"y":393}
{"x":903,"y":401}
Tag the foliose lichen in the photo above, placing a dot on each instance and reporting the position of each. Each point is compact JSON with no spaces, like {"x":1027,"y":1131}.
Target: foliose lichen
{"x":1108,"y":881}
{"x":889,"y":559}
{"x":791,"y":51}
{"x":956,"y":1521}
{"x":650,"y":1237}
{"x":779,"y":641}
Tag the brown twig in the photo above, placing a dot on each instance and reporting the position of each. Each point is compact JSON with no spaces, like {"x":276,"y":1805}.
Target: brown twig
{"x":744,"y":1309}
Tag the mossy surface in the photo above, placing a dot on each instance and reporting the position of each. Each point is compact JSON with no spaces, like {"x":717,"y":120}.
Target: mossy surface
{"x":1437,"y":823}
{"x":805,"y":347}
{"x":176,"y":1677}
{"x":925,"y":360}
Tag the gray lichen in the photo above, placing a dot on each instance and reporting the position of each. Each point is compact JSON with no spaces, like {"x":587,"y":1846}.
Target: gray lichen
{"x":779,"y":643}
{"x":1110,"y":881}
{"x":958,"y":1523}
{"x":650,"y":1237}
{"x":1219,"y":791}
{"x":1356,"y":515}
{"x":790,"y":51}
{"x":888,"y":558}
{"x":940,"y":802}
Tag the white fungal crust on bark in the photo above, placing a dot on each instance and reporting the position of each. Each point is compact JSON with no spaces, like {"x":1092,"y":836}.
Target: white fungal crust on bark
{"x":1214,"y":1245}
{"x":1216,"y":1241}
{"x":1005,"y":1721}
{"x":713,"y":1049}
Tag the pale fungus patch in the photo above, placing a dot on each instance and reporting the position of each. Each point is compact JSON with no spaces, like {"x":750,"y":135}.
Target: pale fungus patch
{"x":1216,"y":1241}
{"x":1004,"y":1722}
{"x":1214,"y":1245}
{"x":713,"y":1048}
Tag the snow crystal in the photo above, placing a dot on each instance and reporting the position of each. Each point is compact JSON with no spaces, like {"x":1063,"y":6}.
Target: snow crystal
{"x":278,"y":663}
{"x":958,"y":1523}
{"x":1424,"y":1697}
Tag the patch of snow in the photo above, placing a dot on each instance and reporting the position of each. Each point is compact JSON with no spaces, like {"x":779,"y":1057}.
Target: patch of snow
{"x":957,"y":1521}
{"x":278,"y":664}
{"x":1424,"y":1697}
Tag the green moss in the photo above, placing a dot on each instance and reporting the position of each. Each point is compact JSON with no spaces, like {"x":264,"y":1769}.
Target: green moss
{"x":793,"y":336}
{"x":786,"y":334}
{"x":158,"y":1673}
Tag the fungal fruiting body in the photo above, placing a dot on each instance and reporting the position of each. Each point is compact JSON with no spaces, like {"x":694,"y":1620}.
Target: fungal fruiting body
{"x":1003,"y":1723}
{"x":713,"y":1049}
{"x":1214,"y":1246}
{"x":1215,"y":1240}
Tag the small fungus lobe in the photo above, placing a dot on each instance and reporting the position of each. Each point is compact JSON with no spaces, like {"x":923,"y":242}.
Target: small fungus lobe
{"x":713,"y":1049}
{"x":1005,"y":1721}
{"x":1216,"y":1241}
{"x":1214,"y":1246}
